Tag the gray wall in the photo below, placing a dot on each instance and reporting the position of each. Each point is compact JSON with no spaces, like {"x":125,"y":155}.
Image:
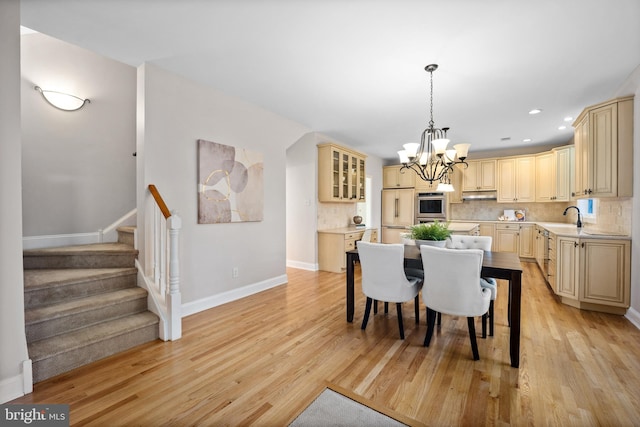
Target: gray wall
{"x":78,"y":168}
{"x":13,"y":342}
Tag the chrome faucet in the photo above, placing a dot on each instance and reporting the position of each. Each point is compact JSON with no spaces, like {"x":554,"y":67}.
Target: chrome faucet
{"x":579,"y":223}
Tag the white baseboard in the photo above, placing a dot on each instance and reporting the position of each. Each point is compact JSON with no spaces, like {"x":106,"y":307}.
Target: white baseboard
{"x":51,"y":241}
{"x":633,"y":316}
{"x":302,"y":265}
{"x":17,"y":386}
{"x":235,"y":294}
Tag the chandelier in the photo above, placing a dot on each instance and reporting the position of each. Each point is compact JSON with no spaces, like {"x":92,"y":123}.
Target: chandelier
{"x":431,"y":160}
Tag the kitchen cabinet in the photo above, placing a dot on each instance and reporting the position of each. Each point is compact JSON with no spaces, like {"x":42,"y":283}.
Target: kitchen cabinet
{"x":397,"y":213}
{"x":594,"y":274}
{"x":565,"y":173}
{"x":540,"y":243}
{"x":603,"y":138}
{"x":341,"y":174}
{"x":333,"y":245}
{"x":479,"y":175}
{"x":552,"y":267}
{"x":396,"y":177}
{"x":555,"y":175}
{"x":456,"y":177}
{"x":516,"y":179}
{"x":514,"y":237}
{"x":488,"y":229}
{"x":507,"y":237}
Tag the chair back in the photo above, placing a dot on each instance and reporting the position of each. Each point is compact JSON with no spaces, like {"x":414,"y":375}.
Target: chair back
{"x":452,"y":281}
{"x":457,"y":241}
{"x":383,"y":276}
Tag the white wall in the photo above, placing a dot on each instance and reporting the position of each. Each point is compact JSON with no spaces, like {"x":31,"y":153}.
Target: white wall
{"x":13,"y":344}
{"x":302,"y":199}
{"x":302,"y":203}
{"x":173,"y":114}
{"x":632,"y":86}
{"x":78,"y":167}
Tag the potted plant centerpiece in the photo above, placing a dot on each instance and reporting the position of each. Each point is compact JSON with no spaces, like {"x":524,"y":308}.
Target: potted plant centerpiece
{"x":435,"y":234}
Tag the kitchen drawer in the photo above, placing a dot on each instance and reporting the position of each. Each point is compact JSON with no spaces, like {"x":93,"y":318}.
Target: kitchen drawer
{"x":501,"y":226}
{"x":356,"y":235}
{"x":349,"y":244}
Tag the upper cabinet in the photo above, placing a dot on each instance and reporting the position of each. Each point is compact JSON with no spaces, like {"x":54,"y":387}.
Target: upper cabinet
{"x":341,"y":174}
{"x":480,"y":175}
{"x":555,"y":175}
{"x":394,"y":177}
{"x":516,"y":179}
{"x":603,"y":139}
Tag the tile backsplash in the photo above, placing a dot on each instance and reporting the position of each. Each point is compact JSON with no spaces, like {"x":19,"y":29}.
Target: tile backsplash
{"x":335,"y":215}
{"x":490,"y":210}
{"x":612,"y":215}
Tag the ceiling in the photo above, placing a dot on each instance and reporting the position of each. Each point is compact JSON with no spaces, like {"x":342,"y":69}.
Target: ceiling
{"x":354,"y":69}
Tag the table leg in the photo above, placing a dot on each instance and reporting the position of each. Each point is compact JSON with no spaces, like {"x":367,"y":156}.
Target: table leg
{"x":515,"y":295}
{"x":350,"y":286}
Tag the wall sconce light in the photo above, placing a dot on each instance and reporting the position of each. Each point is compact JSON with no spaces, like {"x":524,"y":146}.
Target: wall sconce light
{"x":62,"y":101}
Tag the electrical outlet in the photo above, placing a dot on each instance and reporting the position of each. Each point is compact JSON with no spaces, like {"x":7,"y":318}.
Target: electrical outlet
{"x":235,"y":272}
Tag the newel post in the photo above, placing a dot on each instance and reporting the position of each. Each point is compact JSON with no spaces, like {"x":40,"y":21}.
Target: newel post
{"x":173,"y":297}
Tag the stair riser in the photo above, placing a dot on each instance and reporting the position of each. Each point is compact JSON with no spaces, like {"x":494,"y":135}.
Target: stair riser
{"x":58,"y":364}
{"x":65,"y":292}
{"x":124,"y":237}
{"x":52,"y":327}
{"x":79,"y":261}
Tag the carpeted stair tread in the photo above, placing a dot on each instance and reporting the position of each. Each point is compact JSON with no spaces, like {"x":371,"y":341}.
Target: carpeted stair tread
{"x":61,"y":344}
{"x":93,"y":248}
{"x":82,"y":305}
{"x":42,"y":278}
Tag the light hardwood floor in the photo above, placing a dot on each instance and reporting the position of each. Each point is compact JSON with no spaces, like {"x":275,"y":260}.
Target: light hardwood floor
{"x":261,"y":360}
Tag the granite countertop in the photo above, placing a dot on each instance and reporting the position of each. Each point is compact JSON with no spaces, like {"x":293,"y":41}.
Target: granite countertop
{"x":345,"y":230}
{"x":570,"y":230}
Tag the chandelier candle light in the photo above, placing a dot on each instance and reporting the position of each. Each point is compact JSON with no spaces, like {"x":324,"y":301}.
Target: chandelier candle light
{"x":431,"y":160}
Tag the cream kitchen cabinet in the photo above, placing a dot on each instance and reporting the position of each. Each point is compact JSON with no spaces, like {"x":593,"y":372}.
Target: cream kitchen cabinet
{"x":555,"y":175}
{"x":456,"y":180}
{"x":479,"y":175}
{"x":603,"y":138}
{"x":398,"y":207}
{"x":516,"y":179}
{"x":396,"y":177}
{"x":333,"y":245}
{"x":594,"y":274}
{"x":489,"y":229}
{"x":552,"y":270}
{"x":545,"y":177}
{"x":514,"y":237}
{"x":341,"y":174}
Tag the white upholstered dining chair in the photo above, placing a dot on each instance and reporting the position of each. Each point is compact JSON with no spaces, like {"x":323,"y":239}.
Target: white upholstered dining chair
{"x":452,"y":286}
{"x":384,"y":279}
{"x":484,"y":243}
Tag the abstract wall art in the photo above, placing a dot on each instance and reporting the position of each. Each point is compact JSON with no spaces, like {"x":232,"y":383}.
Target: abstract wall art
{"x":230,"y":184}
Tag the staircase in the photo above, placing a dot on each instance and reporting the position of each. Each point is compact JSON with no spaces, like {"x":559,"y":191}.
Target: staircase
{"x":82,"y":304}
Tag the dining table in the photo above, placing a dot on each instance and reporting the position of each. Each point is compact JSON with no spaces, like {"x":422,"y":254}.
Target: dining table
{"x":499,"y":265}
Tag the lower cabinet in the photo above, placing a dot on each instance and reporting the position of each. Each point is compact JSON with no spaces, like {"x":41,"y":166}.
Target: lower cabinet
{"x":514,"y":237}
{"x":489,"y":229}
{"x":333,"y":246}
{"x":594,"y":274}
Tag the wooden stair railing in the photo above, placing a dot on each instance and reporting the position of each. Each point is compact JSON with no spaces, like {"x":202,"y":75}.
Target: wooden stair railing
{"x":163,"y":256}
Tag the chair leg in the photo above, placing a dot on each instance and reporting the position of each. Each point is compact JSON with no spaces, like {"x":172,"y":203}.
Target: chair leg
{"x":491,"y":318}
{"x":484,"y":325}
{"x":375,"y":307}
{"x":472,"y":336}
{"x":416,"y":307}
{"x":431,"y":320}
{"x":400,"y":325}
{"x":367,"y":310}
{"x":386,"y":308}
{"x":439,"y":318}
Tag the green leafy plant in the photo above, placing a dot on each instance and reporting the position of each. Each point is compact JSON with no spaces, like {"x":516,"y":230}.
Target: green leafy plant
{"x":432,"y":231}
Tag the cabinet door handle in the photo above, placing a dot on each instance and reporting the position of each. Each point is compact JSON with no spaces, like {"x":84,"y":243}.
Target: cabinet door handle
{"x":575,"y":244}
{"x":582,"y":245}
{"x":396,"y":208}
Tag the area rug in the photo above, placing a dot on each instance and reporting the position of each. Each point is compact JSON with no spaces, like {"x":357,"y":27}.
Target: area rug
{"x":331,"y":408}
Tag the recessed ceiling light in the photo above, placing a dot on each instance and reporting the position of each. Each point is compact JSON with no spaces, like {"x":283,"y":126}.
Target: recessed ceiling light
{"x":527,"y":140}
{"x":562,"y":127}
{"x":535,"y":111}
{"x":506,"y":138}
{"x":568,"y":119}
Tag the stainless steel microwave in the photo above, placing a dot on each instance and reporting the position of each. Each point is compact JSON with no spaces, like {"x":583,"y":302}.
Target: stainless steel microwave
{"x":430,"y":206}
